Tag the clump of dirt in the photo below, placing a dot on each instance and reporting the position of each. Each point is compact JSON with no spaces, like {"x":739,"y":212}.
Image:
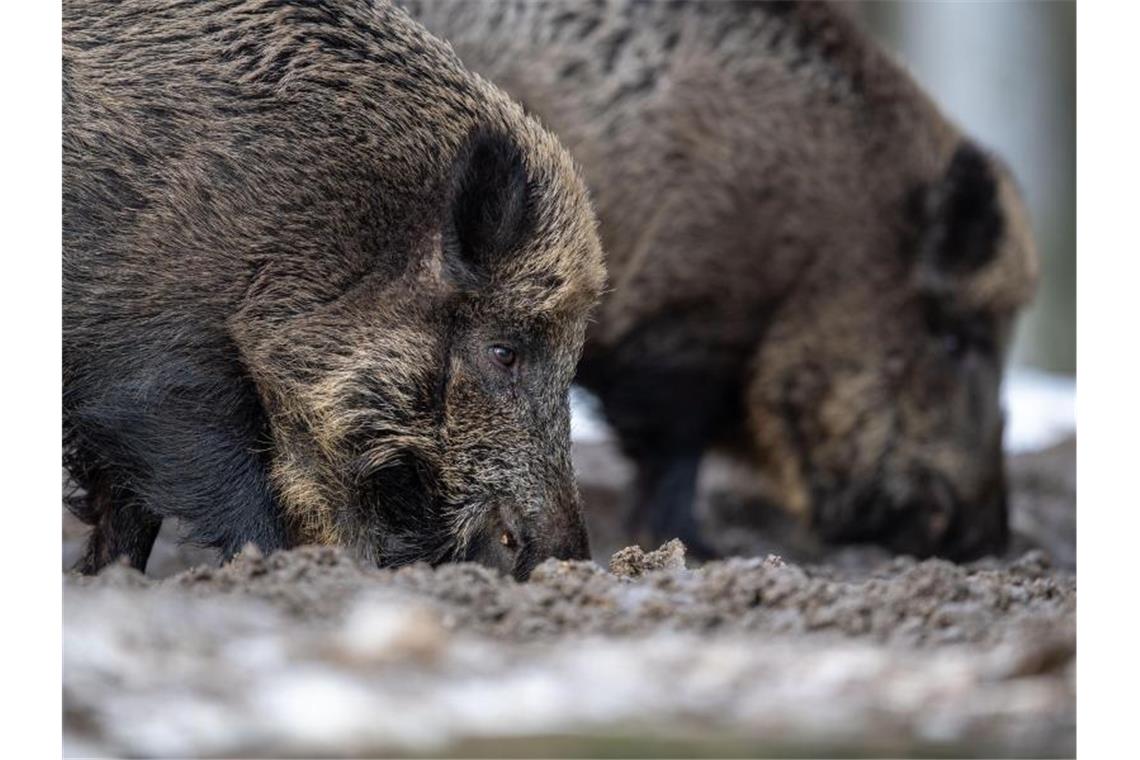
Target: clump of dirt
{"x":904,"y":601}
{"x":633,"y":561}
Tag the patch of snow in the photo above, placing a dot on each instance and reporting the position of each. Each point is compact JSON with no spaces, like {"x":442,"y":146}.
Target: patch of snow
{"x":587,"y":425}
{"x":1041,"y":409}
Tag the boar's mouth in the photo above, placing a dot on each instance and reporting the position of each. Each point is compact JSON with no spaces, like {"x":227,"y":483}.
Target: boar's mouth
{"x":921,"y":515}
{"x":403,"y":518}
{"x":407,"y":519}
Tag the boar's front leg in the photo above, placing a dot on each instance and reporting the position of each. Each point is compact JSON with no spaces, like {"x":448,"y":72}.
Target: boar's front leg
{"x":122,"y":528}
{"x":184,"y":441}
{"x":666,"y":497}
{"x":662,"y":411}
{"x":209,"y":469}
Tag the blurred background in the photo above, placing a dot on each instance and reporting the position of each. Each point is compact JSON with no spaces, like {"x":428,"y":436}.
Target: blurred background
{"x":1006,"y":73}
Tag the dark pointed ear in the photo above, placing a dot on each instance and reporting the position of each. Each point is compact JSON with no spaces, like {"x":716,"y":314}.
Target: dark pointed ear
{"x":489,"y":207}
{"x":960,"y":216}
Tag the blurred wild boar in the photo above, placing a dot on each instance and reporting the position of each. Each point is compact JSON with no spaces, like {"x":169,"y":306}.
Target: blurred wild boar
{"x":810,"y":266}
{"x":321,"y":284}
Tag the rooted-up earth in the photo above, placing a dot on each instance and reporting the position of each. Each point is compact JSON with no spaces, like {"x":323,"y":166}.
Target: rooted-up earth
{"x":838,"y":652}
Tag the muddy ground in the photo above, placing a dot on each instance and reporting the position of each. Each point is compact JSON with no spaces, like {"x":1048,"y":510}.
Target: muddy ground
{"x":818,"y":651}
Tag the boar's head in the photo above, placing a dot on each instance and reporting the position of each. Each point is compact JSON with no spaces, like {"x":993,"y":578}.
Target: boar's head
{"x":876,"y":395}
{"x":420,"y":411}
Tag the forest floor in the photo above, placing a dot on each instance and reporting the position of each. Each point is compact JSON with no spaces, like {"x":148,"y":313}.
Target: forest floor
{"x":792,"y":649}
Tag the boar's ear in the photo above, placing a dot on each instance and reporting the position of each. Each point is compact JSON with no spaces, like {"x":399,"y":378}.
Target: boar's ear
{"x":960,"y":217}
{"x":489,"y":208}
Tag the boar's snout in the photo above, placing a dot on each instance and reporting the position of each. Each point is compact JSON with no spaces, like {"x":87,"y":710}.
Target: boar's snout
{"x":515,"y":539}
{"x":922,"y":515}
{"x":937,"y":522}
{"x":560,"y":533}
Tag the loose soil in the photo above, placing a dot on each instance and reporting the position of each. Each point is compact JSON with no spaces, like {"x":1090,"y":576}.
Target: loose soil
{"x":807,"y":650}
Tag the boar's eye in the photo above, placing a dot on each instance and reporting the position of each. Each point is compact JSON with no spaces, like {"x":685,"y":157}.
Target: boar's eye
{"x":504,"y":356}
{"x":961,"y":335}
{"x":954,"y":344}
{"x":960,"y":341}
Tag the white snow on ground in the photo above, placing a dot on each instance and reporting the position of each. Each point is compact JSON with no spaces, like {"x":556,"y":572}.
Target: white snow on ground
{"x":587,"y":425}
{"x":237,"y":677}
{"x":1041,"y":410}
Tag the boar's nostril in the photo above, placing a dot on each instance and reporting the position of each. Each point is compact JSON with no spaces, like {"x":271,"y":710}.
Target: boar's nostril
{"x":939,"y":524}
{"x":507,"y":539}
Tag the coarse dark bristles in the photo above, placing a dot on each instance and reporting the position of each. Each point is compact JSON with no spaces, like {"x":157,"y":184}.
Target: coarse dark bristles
{"x":291,"y":231}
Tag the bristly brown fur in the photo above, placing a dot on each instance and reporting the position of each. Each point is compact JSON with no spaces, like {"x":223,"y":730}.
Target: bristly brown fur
{"x":810,"y":264}
{"x":292,"y":228}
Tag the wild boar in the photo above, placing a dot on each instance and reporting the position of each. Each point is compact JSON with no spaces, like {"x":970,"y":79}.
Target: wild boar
{"x":321,"y":284}
{"x":811,"y":266}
